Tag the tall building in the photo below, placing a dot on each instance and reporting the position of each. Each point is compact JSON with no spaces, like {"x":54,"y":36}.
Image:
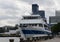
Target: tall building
{"x":57,"y":13}
{"x":42,"y":13}
{"x":35,"y":8}
{"x":54,"y":19}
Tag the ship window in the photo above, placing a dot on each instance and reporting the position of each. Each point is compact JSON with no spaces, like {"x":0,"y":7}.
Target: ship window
{"x":23,"y":25}
{"x":32,"y":24}
{"x":45,"y":25}
{"x":45,"y":20}
{"x":40,"y":25}
{"x":20,"y":25}
{"x":29,"y":24}
{"x":31,"y":17}
{"x":35,"y":24}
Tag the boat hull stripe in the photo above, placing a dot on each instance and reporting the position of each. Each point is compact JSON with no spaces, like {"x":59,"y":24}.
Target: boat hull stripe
{"x":34,"y":32}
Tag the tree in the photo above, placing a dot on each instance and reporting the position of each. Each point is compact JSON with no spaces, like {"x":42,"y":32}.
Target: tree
{"x":16,"y":26}
{"x":56,"y":28}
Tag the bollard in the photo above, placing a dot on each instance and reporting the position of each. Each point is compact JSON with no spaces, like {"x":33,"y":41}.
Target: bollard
{"x":35,"y":39}
{"x":11,"y":40}
{"x":21,"y":40}
{"x":45,"y":38}
{"x":28,"y":40}
{"x":39,"y":38}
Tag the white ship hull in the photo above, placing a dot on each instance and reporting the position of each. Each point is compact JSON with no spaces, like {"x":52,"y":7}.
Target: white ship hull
{"x":33,"y":32}
{"x":34,"y":25}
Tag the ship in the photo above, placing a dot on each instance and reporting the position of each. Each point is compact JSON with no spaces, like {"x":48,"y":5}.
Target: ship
{"x":34,"y":25}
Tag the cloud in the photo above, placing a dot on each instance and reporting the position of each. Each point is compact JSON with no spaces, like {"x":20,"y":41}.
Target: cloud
{"x":50,"y":6}
{"x":12,"y":10}
{"x":44,"y":3}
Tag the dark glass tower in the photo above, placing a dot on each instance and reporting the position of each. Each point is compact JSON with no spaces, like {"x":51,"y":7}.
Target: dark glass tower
{"x":35,"y":8}
{"x":42,"y":13}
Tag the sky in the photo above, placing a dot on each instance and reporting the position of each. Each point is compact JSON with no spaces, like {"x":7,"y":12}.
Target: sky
{"x":11,"y":11}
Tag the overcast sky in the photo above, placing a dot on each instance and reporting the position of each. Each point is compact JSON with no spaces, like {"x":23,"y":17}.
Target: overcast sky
{"x":11,"y":11}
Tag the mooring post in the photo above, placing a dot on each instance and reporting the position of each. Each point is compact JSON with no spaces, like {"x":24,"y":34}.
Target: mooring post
{"x":29,"y":40}
{"x":21,"y":40}
{"x":11,"y":40}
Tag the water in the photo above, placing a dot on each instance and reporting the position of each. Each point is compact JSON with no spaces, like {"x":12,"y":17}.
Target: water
{"x":6,"y":39}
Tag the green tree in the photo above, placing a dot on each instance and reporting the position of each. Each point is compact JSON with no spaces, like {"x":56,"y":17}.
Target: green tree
{"x":56,"y":28}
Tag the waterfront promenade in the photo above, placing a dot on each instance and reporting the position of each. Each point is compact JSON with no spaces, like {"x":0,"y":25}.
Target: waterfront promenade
{"x":55,"y":39}
{"x":52,"y":40}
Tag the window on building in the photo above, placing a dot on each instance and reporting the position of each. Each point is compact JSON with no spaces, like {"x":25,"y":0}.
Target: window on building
{"x":35,"y":24}
{"x":40,"y":25}
{"x":32,"y":24}
{"x":29,"y":25}
{"x":23,"y":25}
{"x":20,"y":25}
{"x":31,"y":17}
{"x":45,"y":25}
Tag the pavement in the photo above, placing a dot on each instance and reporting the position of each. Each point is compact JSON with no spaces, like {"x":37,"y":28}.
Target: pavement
{"x":56,"y":39}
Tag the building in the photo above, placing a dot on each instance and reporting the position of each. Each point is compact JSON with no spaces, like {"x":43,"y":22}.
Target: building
{"x":42,"y":13}
{"x":54,"y":19}
{"x":57,"y":13}
{"x":35,"y":8}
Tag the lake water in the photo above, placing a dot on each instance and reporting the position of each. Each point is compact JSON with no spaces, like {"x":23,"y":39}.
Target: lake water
{"x":6,"y":39}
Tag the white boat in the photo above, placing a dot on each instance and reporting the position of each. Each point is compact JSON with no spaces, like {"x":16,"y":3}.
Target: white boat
{"x":34,"y":26}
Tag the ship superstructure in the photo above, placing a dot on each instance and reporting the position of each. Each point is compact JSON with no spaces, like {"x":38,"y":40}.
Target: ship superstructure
{"x":34,"y":25}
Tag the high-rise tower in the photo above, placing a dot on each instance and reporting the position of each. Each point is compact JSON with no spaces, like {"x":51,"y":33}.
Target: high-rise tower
{"x":35,"y":8}
{"x":42,"y":13}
